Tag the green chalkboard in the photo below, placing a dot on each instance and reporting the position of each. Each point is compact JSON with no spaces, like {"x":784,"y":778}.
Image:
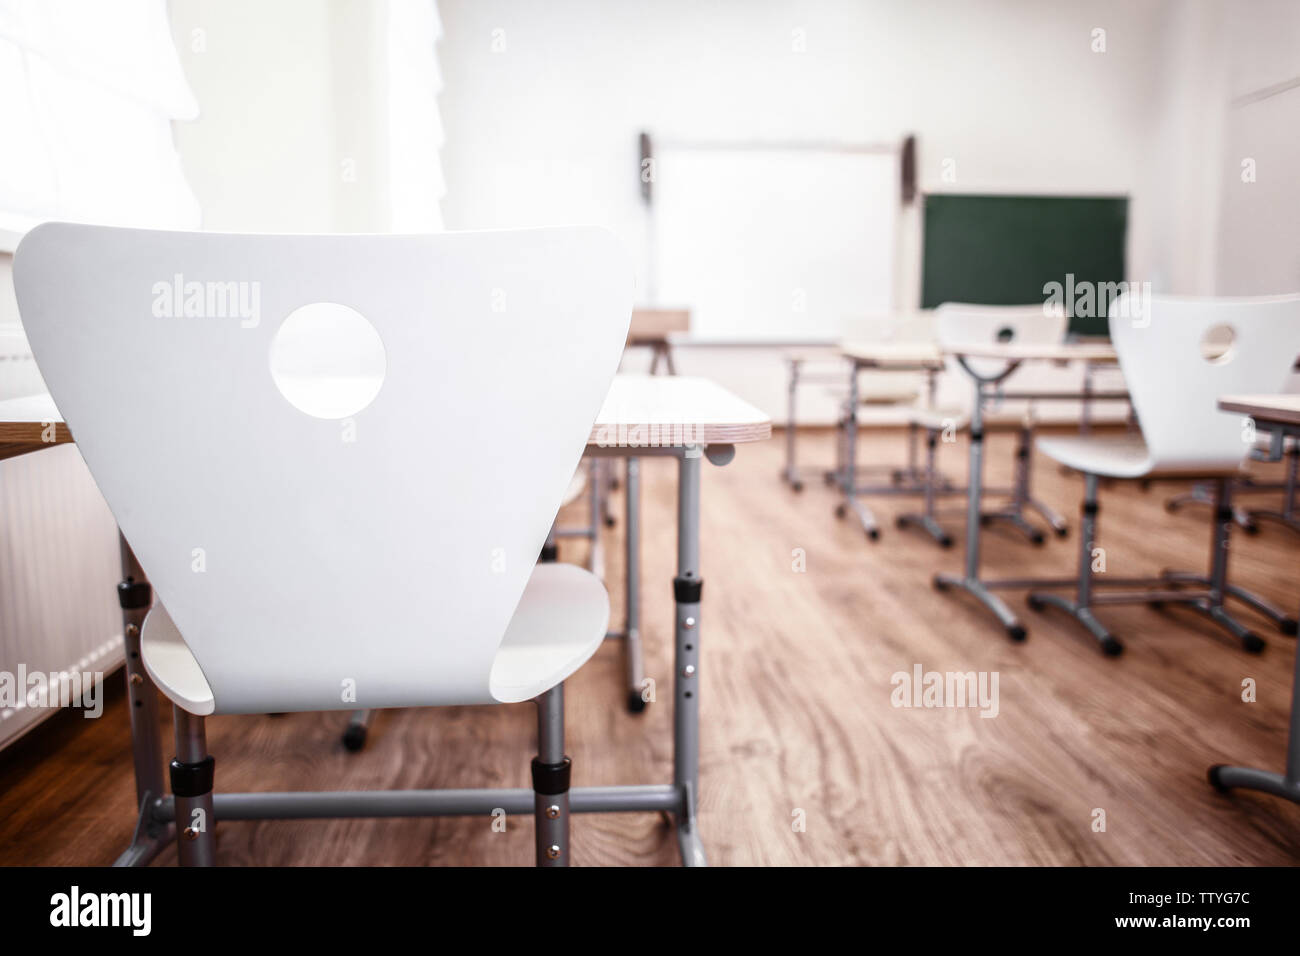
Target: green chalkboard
{"x":1002,"y":250}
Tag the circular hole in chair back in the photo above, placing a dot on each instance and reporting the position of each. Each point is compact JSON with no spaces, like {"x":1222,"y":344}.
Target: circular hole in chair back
{"x":1217,"y":344}
{"x":327,"y":360}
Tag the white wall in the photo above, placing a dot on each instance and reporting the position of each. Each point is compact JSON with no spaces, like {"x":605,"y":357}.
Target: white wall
{"x":1258,"y":251}
{"x":543,"y":105}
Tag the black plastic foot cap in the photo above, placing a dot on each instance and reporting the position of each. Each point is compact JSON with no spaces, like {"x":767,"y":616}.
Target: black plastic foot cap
{"x":1017,"y":632}
{"x":873,"y":534}
{"x":1111,"y":647}
{"x":1037,"y":537}
{"x":939,"y":583}
{"x":635,"y":702}
{"x":1288,"y":625}
{"x":945,"y":542}
{"x":354,"y":738}
{"x":797,"y":486}
{"x":1034,"y":603}
{"x":1062,"y":532}
{"x":1215,"y":780}
{"x":610,"y":521}
{"x":839,"y":511}
{"x":1253,"y":643}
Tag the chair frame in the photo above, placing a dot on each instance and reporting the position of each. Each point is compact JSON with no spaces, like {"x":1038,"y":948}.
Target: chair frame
{"x":193,"y":799}
{"x":1206,"y":593}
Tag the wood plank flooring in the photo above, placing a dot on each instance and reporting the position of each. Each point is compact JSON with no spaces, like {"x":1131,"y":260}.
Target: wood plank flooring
{"x":796,"y":708}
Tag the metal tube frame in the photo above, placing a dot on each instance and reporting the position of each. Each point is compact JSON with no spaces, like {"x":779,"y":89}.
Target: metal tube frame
{"x":159,"y":810}
{"x":196,"y":843}
{"x":970,"y":581}
{"x":1285,"y":785}
{"x":1205,"y":593}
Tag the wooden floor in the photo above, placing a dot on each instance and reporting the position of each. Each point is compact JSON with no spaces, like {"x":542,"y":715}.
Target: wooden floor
{"x":796,"y":710}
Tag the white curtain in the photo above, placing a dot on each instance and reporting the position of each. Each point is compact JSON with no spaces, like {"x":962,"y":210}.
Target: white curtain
{"x":416,"y":185}
{"x":88,"y":90}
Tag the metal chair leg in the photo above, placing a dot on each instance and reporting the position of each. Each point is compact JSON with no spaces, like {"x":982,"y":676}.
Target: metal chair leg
{"x":1201,"y":495}
{"x":926,"y":520}
{"x":1216,"y":582}
{"x":1080,"y":608}
{"x":551,"y":772}
{"x":191,"y":779}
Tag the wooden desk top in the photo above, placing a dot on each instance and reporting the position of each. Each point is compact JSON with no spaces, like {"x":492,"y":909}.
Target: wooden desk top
{"x":649,"y":326}
{"x":29,"y":424}
{"x":697,"y":410}
{"x":670,"y":410}
{"x":1278,"y":409}
{"x":1058,"y":352}
{"x":901,"y":356}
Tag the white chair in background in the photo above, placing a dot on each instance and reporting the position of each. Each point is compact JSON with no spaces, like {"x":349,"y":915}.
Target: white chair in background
{"x":1174,"y":380}
{"x":323,"y":535}
{"x":958,"y":324}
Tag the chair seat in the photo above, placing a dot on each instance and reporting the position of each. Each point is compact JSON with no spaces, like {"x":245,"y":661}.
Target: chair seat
{"x":937,"y":419}
{"x":560,"y":621}
{"x":1127,"y":456}
{"x":1111,"y":456}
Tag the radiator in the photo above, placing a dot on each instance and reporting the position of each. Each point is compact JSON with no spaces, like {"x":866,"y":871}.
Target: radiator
{"x":59,"y":566}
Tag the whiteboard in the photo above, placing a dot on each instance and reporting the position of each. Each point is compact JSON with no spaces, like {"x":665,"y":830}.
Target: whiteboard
{"x":766,"y":242}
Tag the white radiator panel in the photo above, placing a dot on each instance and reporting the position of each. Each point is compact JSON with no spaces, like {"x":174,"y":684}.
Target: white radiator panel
{"x":59,"y":566}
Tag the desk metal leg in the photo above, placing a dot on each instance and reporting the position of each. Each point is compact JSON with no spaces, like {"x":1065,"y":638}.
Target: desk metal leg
{"x":632,"y":590}
{"x":970,"y":581}
{"x":687,"y":591}
{"x":596,"y":558}
{"x":791,"y":473}
{"x":849,"y":483}
{"x":358,"y":728}
{"x":1287,"y":786}
{"x":135,"y":596}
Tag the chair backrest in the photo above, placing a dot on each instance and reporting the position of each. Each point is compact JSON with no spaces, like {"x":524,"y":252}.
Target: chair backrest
{"x":301,"y":556}
{"x":1175,"y":383}
{"x":958,"y":323}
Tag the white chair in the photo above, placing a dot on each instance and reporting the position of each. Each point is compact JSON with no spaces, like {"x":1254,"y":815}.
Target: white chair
{"x":384,"y":559}
{"x":1175,"y":383}
{"x":959,"y":324}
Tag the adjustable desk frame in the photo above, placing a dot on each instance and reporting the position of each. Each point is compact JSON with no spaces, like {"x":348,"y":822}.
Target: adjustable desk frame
{"x":1222,"y":777}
